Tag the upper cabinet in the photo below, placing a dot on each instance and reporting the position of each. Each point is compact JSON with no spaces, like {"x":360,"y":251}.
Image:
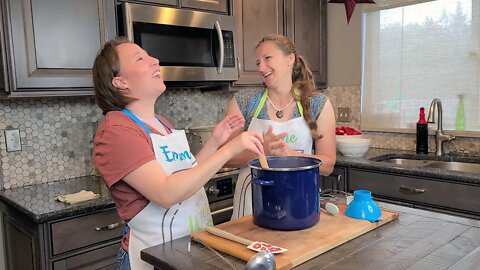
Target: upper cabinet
{"x":306,"y":25}
{"x":220,"y":6}
{"x":49,"y":45}
{"x":208,"y":5}
{"x":253,"y":20}
{"x":303,"y":21}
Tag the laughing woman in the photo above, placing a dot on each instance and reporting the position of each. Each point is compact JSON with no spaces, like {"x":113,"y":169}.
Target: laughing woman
{"x":295,"y":120}
{"x":155,"y":181}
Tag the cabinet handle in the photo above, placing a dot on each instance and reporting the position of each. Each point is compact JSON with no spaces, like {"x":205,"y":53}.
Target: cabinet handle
{"x":413,"y":190}
{"x":339,"y":178}
{"x":108,"y":227}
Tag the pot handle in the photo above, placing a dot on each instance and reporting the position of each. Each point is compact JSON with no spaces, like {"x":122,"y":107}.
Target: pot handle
{"x":261,"y":182}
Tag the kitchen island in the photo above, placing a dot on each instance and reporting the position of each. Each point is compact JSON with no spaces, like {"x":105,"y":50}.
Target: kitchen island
{"x":419,"y":239}
{"x":45,"y":225}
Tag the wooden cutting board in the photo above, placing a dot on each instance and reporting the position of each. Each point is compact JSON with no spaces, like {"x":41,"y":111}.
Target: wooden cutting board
{"x":303,"y":245}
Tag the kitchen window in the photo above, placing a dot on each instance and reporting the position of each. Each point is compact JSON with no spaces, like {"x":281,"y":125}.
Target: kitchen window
{"x":414,"y":51}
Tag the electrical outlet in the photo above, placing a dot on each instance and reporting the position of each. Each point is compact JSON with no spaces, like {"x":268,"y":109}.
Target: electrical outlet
{"x":343,"y":114}
{"x":12,"y":139}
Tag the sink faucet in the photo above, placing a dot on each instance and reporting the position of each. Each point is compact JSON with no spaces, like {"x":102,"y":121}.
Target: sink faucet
{"x":440,"y":137}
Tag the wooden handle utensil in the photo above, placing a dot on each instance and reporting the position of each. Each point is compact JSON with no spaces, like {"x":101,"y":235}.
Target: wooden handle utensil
{"x":252,"y":245}
{"x":263,"y":161}
{"x":229,"y":236}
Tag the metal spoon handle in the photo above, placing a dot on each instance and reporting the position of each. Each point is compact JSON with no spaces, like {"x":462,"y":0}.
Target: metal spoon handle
{"x":229,"y":236}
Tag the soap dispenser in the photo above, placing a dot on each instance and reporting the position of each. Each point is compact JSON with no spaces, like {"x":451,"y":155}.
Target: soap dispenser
{"x":422,"y":133}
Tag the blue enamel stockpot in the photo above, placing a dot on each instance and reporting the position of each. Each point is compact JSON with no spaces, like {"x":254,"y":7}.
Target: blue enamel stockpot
{"x":285,"y":196}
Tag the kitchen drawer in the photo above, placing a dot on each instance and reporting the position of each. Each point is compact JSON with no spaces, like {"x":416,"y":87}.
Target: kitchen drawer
{"x":102,"y":258}
{"x":456,"y":196}
{"x":83,"y":231}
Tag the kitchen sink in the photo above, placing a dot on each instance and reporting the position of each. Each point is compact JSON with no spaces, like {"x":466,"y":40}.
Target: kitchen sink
{"x":417,"y":162}
{"x":454,"y":166}
{"x":406,"y":161}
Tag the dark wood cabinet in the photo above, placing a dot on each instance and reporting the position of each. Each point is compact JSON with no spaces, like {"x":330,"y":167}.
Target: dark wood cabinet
{"x":86,"y":241}
{"x":303,"y":21}
{"x":420,"y":192}
{"x":337,"y":180}
{"x":49,"y":46}
{"x":253,"y":20}
{"x":306,"y":26}
{"x":218,"y":6}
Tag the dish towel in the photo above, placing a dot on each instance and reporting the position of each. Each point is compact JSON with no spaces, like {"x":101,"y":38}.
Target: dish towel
{"x":78,"y":197}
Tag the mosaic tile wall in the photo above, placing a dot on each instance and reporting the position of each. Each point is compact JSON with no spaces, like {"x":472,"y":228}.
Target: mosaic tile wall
{"x":187,"y":108}
{"x":55,"y":136}
{"x":56,"y":133}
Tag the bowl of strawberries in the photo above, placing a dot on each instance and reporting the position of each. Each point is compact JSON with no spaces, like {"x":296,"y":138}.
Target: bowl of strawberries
{"x":350,"y":142}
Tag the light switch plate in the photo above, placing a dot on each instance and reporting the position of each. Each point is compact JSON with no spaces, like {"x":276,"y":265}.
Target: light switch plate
{"x":12,"y":139}
{"x":343,"y":114}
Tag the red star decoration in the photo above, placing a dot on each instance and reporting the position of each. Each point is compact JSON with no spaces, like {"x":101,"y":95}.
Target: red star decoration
{"x":350,"y":5}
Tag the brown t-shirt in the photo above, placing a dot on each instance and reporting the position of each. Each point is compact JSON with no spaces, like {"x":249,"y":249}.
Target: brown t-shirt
{"x":120,"y":147}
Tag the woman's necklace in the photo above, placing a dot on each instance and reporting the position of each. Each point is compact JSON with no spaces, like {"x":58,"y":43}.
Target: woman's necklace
{"x":279,"y":112}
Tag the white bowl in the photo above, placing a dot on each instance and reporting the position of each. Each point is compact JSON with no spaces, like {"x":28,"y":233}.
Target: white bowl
{"x":348,"y":136}
{"x":353,"y":146}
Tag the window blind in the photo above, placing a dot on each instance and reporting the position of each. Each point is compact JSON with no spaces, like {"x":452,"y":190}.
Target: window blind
{"x":416,"y":52}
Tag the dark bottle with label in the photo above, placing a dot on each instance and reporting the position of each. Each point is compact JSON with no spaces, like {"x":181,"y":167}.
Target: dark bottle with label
{"x":422,"y":133}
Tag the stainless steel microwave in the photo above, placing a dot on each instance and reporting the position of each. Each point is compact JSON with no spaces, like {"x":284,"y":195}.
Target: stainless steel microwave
{"x":192,"y":46}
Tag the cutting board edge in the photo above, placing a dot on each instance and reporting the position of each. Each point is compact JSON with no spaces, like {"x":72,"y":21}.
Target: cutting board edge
{"x":310,"y":255}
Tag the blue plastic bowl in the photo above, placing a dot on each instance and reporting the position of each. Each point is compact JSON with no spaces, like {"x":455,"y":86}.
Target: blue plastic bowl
{"x":363,"y":207}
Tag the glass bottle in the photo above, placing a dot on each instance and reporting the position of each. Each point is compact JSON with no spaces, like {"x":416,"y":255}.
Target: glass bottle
{"x":422,"y":133}
{"x":460,"y":117}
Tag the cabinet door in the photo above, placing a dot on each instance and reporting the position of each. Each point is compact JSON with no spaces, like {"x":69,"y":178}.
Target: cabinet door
{"x":102,"y":258}
{"x":20,"y":245}
{"x":209,"y":5}
{"x":253,"y":20}
{"x":335,"y":181}
{"x":161,"y":2}
{"x":306,"y":26}
{"x":54,"y":42}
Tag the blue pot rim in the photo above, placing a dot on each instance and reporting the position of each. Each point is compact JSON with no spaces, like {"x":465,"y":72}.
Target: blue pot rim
{"x":318,"y":161}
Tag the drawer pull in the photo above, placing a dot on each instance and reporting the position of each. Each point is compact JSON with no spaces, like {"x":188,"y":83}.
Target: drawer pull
{"x":413,"y":190}
{"x":108,"y":227}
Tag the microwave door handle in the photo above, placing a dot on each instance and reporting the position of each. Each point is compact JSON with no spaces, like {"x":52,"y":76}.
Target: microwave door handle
{"x":220,"y":41}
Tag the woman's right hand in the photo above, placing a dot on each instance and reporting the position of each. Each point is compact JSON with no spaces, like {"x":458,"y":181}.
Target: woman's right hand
{"x":248,"y":140}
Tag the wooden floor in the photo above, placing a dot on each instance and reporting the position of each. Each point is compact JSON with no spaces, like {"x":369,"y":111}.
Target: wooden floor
{"x":417,"y":240}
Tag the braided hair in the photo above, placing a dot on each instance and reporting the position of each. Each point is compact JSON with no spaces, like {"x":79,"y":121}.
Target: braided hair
{"x":303,"y":84}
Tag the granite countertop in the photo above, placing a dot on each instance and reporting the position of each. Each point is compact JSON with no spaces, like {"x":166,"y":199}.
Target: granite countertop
{"x":38,"y":201}
{"x":368,"y":162}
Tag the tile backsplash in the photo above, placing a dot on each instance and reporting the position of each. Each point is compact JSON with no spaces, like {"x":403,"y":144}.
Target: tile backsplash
{"x":56,"y":133}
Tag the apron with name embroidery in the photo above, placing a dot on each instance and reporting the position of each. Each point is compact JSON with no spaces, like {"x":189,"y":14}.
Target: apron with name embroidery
{"x":154,"y":224}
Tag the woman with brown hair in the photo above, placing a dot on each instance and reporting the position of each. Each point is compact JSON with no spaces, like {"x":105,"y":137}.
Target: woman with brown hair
{"x":294,"y":118}
{"x":154,"y":180}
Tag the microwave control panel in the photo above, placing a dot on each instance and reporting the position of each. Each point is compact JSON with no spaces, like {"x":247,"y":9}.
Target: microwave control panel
{"x":229,"y":50}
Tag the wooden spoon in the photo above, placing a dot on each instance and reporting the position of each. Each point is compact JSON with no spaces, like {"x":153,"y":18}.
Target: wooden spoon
{"x":263,"y":161}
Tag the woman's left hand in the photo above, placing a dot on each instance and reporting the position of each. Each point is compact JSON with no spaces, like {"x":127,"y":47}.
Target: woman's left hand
{"x":229,"y":125}
{"x":281,"y":148}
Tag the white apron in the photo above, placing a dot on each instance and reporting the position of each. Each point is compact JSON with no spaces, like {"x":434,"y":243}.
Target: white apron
{"x":298,"y":138}
{"x":154,"y":224}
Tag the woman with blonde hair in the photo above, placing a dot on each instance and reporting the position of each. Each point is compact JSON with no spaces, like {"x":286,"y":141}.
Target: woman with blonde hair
{"x":294,"y":119}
